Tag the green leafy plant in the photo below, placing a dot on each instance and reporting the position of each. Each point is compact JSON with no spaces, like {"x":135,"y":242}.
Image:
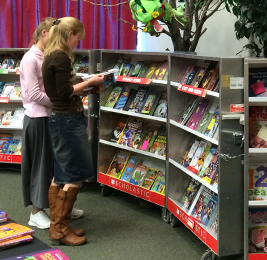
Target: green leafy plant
{"x":251,"y":23}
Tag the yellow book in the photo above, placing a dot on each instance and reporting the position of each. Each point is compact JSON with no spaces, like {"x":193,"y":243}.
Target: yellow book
{"x":151,"y":70}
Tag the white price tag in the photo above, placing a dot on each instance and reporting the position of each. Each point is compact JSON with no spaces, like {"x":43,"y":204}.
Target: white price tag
{"x":237,"y":83}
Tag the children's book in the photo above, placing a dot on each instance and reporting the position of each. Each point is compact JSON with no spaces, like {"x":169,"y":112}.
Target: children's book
{"x":137,"y":68}
{"x":259,"y":181}
{"x":212,"y":156}
{"x":215,"y":77}
{"x":3,"y":214}
{"x":257,"y":230}
{"x":198,"y":79}
{"x":77,"y":61}
{"x":123,"y":98}
{"x":157,"y":70}
{"x":130,"y":99}
{"x":188,"y":110}
{"x":48,"y":254}
{"x":214,"y":123}
{"x":15,"y":241}
{"x":161,"y":108}
{"x":18,"y":150}
{"x":2,"y":84}
{"x":126,"y":67}
{"x":118,"y":66}
{"x":85,"y":101}
{"x":12,"y":147}
{"x":198,"y":113}
{"x":13,"y":230}
{"x":17,"y":119}
{"x":4,"y":142}
{"x":7,"y":118}
{"x":119,"y":128}
{"x":146,"y":109}
{"x":129,"y":169}
{"x":257,"y":82}
{"x":211,"y":171}
{"x":162,"y":70}
{"x":129,"y":131}
{"x":186,"y":74}
{"x":150,"y":135}
{"x":138,"y":136}
{"x":151,"y":70}
{"x":118,"y":164}
{"x":2,"y":220}
{"x":138,"y":174}
{"x":139,"y":100}
{"x":214,"y":224}
{"x":149,"y":178}
{"x":83,"y":66}
{"x":16,"y":93}
{"x":209,"y":206}
{"x":205,"y":121}
{"x":192,"y":147}
{"x":159,"y":184}
{"x":144,"y":69}
{"x":7,"y":90}
{"x":165,"y":78}
{"x":113,"y":97}
{"x":190,"y":193}
{"x":159,"y":145}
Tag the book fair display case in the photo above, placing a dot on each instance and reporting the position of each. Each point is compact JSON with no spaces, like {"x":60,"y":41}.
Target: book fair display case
{"x":255,"y":149}
{"x":217,"y":145}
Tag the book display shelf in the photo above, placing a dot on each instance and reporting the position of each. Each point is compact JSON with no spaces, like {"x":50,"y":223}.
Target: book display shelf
{"x":144,"y":122}
{"x":255,"y":179}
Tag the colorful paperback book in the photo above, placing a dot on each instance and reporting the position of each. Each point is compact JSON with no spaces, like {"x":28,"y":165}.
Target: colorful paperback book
{"x":118,"y":164}
{"x":199,"y":77}
{"x":15,"y":241}
{"x":192,"y":147}
{"x":159,"y":184}
{"x":7,"y":118}
{"x":151,"y":70}
{"x":129,"y":131}
{"x":126,"y":67}
{"x":144,"y":69}
{"x":161,"y":109}
{"x":198,"y":113}
{"x":123,"y":98}
{"x":188,"y":110}
{"x":119,"y":128}
{"x":7,"y":90}
{"x":3,"y":214}
{"x":205,"y":121}
{"x":83,"y":66}
{"x":159,"y":145}
{"x":17,"y":119}
{"x":138,"y":174}
{"x":13,"y":230}
{"x":259,"y":182}
{"x":211,"y":157}
{"x":162,"y":70}
{"x":214,"y":224}
{"x":257,"y":82}
{"x":2,"y":220}
{"x":139,"y":100}
{"x":137,"y":68}
{"x":190,"y":193}
{"x":48,"y":254}
{"x":149,"y":103}
{"x":215,"y":77}
{"x":4,"y":142}
{"x":18,"y":150}
{"x":165,"y":78}
{"x":113,"y":97}
{"x":157,"y":70}
{"x":118,"y":65}
{"x":149,"y":178}
{"x":16,"y":93}
{"x":211,"y":171}
{"x":208,"y":208}
{"x":129,"y":169}
{"x":149,"y":137}
{"x":138,"y":137}
{"x":214,"y":123}
{"x":12,"y":147}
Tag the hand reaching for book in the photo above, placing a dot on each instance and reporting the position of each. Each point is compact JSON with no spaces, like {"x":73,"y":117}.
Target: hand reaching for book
{"x":95,"y":80}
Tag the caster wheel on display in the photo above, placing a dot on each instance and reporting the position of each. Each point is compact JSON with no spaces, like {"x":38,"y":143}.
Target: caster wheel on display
{"x":165,"y":215}
{"x":106,"y":191}
{"x":208,"y":255}
{"x":174,"y":222}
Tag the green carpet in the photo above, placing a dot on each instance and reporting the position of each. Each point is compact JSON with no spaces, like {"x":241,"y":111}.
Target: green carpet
{"x":117,"y":227}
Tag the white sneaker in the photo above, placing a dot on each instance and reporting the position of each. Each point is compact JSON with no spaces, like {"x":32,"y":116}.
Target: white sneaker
{"x":76,"y":213}
{"x":40,"y":220}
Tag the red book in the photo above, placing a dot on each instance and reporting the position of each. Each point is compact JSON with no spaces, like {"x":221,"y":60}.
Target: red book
{"x":258,"y":88}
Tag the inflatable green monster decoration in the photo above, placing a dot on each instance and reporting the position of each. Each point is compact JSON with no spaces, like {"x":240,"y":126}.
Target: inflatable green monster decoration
{"x":150,"y":11}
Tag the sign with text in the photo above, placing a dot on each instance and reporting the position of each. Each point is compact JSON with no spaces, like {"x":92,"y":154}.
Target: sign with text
{"x":192,"y":90}
{"x":237,"y":108}
{"x":133,"y":80}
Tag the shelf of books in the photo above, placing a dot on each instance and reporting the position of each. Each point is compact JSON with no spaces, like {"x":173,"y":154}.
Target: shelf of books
{"x":132,"y":125}
{"x":255,"y":145}
{"x":202,"y":155}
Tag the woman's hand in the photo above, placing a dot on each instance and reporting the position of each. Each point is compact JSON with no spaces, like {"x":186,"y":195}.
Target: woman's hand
{"x":95,"y":80}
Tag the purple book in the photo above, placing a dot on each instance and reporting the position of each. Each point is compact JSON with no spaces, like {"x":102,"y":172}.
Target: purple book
{"x":198,"y":114}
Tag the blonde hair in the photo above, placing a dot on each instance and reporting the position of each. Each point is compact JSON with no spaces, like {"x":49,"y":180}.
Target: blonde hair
{"x":46,"y":24}
{"x":59,"y":35}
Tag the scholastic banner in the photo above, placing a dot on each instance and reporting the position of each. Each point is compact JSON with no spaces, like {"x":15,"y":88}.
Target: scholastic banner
{"x":134,"y":80}
{"x":193,"y":225}
{"x":192,"y":90}
{"x":5,"y":158}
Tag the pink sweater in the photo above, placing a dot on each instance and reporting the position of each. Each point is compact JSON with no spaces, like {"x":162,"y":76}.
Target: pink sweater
{"x":34,"y":98}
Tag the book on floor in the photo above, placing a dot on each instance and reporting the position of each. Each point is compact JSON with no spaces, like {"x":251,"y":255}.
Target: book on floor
{"x":3,"y":214}
{"x":2,"y":220}
{"x":15,"y":241}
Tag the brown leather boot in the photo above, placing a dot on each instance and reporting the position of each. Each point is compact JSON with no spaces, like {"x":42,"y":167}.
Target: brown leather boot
{"x":52,"y":196}
{"x":61,"y":233}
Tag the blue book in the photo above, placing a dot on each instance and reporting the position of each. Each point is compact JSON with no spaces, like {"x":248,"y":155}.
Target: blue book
{"x":129,"y":169}
{"x":123,"y":98}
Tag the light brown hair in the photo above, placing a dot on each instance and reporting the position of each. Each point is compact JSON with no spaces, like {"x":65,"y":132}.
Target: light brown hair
{"x":46,"y":24}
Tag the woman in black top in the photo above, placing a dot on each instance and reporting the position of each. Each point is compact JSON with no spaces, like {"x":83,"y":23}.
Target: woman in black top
{"x":67,"y":125}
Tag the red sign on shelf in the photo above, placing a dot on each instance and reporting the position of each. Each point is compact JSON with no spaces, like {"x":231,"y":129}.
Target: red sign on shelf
{"x":4,"y":99}
{"x":192,"y":90}
{"x":257,"y":256}
{"x":133,"y":80}
{"x":16,"y":158}
{"x":10,"y":158}
{"x":192,"y":224}
{"x":237,"y":108}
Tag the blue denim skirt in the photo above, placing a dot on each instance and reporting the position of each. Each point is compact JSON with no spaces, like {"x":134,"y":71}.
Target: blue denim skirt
{"x":71,"y":151}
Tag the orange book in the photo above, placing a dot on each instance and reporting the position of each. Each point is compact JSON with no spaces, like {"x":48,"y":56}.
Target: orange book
{"x":13,"y":230}
{"x":15,"y":241}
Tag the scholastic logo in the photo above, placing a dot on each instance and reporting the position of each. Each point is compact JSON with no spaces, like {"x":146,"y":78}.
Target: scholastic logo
{"x":5,"y":158}
{"x":200,"y":232}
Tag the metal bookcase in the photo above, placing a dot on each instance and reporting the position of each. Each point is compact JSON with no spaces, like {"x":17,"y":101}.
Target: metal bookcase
{"x":252,"y":155}
{"x":229,"y":238}
{"x":109,"y":118}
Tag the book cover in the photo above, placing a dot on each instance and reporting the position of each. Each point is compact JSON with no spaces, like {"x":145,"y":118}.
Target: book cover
{"x":188,"y":110}
{"x":9,"y":61}
{"x":129,"y":131}
{"x":159,"y":145}
{"x":130,"y":99}
{"x":126,"y":67}
{"x":138,"y":137}
{"x":209,"y":207}
{"x":211,"y":171}
{"x":16,"y":93}
{"x":7,"y":90}
{"x":161,"y":108}
{"x":3,"y":214}
{"x":204,"y":123}
{"x":162,"y":70}
{"x":2,"y":220}
{"x":129,"y":169}
{"x":12,"y":147}
{"x":137,"y":68}
{"x":198,"y":113}
{"x":13,"y":230}
{"x":4,"y":142}
{"x":77,"y":61}
{"x":15,"y":241}
{"x":212,"y":156}
{"x":83,"y":66}
{"x":150,"y":135}
{"x":165,"y":78}
{"x":113,"y":97}
{"x":2,"y":84}
{"x":149,"y":103}
{"x":18,"y":149}
{"x":17,"y":119}
{"x":214,"y":224}
{"x":123,"y":98}
{"x":149,"y":178}
{"x":259,"y":182}
{"x":144,"y":69}
{"x":7,"y":118}
{"x":139,"y":99}
{"x":118,"y":65}
{"x":186,"y":74}
{"x":85,"y":101}
{"x":192,"y":75}
{"x":159,"y":183}
{"x":119,"y":128}
{"x":214,"y":78}
{"x":138,"y":174}
{"x":257,"y":82}
{"x":151,"y":70}
{"x":257,"y":230}
{"x":214,"y":123}
{"x":199,"y":77}
{"x":118,"y":164}
{"x":257,"y":127}
{"x":157,"y":70}
{"x":190,"y":193}
{"x":192,"y":147}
